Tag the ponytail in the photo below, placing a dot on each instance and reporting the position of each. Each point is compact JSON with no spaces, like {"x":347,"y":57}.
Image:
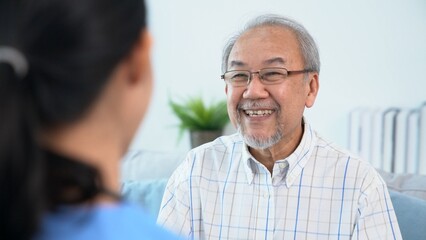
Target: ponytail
{"x":21,"y":165}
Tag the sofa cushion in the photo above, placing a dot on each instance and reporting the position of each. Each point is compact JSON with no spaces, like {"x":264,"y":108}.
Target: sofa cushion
{"x":146,"y":164}
{"x":148,"y":193}
{"x":411,"y":215}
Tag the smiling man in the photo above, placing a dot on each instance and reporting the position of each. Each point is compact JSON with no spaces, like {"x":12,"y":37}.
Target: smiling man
{"x":276,"y":178}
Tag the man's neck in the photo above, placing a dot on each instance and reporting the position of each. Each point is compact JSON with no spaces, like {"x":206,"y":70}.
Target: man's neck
{"x":284,"y":148}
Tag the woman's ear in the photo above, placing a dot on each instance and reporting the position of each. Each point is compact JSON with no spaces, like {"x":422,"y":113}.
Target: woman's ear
{"x":139,"y":58}
{"x":312,"y":90}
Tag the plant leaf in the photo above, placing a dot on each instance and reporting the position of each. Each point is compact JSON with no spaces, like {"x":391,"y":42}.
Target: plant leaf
{"x":194,"y":114}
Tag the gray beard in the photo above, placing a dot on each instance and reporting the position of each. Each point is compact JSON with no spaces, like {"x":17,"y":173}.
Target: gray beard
{"x":258,"y":142}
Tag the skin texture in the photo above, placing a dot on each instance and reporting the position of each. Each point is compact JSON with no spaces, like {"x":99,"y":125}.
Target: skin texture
{"x":281,"y":131}
{"x":101,"y":137}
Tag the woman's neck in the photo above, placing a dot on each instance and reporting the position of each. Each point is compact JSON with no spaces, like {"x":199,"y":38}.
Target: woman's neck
{"x":92,"y":145}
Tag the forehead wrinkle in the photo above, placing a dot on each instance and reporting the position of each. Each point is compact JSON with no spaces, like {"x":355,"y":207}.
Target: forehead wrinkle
{"x":274,"y":60}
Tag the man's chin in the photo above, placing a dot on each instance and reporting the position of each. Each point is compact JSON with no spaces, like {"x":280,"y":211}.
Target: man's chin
{"x":259,"y":141}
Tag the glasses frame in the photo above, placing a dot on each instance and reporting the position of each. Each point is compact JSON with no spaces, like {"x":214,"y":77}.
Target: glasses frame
{"x":260,"y":77}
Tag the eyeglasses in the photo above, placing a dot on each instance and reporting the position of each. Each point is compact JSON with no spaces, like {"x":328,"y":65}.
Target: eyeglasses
{"x":268,"y":76}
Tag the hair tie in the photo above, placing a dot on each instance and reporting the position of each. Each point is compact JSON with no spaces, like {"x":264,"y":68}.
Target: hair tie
{"x":16,"y":59}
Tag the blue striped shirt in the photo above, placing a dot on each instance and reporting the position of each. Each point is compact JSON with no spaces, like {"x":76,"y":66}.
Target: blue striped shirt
{"x":318,"y":192}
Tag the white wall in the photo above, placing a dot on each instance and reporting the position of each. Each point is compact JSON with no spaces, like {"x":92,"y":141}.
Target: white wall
{"x":373,"y":53}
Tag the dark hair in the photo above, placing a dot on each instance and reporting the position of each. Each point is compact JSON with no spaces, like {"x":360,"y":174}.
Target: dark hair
{"x":71,"y":48}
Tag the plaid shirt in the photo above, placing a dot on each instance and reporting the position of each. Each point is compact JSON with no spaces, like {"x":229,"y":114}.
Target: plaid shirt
{"x":318,"y":192}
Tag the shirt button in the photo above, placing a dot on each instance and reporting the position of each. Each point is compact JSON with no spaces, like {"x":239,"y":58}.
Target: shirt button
{"x":282,"y":165}
{"x":265,"y":195}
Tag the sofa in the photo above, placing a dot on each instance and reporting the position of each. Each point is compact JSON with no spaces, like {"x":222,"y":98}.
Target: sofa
{"x":144,"y":175}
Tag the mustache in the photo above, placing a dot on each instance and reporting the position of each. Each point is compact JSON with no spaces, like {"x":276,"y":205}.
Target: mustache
{"x":247,"y":104}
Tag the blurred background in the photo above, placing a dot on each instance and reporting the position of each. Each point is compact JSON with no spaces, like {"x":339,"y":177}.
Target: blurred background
{"x":373,"y":54}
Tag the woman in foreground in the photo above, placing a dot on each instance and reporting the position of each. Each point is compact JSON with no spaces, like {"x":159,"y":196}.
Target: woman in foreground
{"x":75,"y":82}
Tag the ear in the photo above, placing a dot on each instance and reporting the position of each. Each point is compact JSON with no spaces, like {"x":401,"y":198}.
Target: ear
{"x":139,"y":58}
{"x":312,"y":89}
{"x":226,"y":89}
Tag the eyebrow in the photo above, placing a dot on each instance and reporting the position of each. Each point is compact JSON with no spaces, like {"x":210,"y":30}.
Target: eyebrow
{"x":237,"y":63}
{"x":266,"y":62}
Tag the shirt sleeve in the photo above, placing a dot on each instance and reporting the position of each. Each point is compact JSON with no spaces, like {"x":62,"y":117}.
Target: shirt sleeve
{"x":376,"y":215}
{"x":175,"y":207}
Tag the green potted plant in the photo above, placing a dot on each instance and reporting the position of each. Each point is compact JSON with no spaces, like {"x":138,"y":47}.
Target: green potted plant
{"x":204,"y":122}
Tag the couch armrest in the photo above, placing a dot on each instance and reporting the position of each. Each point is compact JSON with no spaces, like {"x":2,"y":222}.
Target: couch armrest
{"x":411,"y":215}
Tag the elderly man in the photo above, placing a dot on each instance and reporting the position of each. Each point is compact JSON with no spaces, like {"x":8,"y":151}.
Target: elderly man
{"x":276,"y":178}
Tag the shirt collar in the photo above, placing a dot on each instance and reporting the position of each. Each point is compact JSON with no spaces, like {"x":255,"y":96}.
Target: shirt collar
{"x":296,"y":161}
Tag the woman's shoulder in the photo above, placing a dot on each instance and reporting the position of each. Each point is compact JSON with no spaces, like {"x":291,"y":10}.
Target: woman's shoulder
{"x":103,"y":221}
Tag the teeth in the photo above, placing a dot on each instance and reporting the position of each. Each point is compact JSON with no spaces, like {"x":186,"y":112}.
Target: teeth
{"x":258,"y":112}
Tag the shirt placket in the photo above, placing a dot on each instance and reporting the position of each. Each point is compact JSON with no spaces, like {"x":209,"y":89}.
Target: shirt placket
{"x":267,"y":198}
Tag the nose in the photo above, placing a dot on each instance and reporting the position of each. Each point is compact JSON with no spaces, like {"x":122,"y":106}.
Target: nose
{"x":255,"y":88}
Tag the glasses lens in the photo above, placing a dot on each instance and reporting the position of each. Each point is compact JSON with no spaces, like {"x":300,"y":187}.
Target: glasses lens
{"x":237,"y":78}
{"x":273,"y":75}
